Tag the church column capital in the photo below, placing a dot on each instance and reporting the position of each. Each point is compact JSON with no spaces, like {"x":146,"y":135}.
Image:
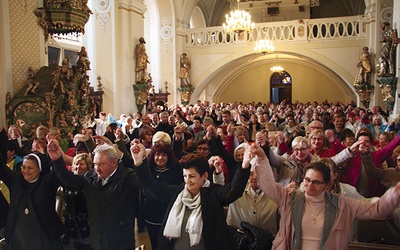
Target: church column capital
{"x":132,"y":6}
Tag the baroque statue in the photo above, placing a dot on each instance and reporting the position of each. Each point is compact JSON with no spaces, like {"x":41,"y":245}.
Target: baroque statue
{"x":141,"y":61}
{"x":389,"y":41}
{"x":184,"y":71}
{"x":364,"y":66}
{"x":32,"y":83}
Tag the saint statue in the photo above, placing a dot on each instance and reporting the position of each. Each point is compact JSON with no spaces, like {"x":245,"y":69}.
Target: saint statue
{"x":364,"y":65}
{"x":389,"y":43}
{"x":141,"y":61}
{"x":184,"y":71}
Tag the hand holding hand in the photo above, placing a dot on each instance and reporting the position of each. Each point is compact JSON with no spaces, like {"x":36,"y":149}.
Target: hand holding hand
{"x":138,"y":152}
{"x":230,"y":129}
{"x":100,"y":140}
{"x":54,"y":150}
{"x":362,"y":147}
{"x":330,"y":136}
{"x":119,"y":134}
{"x":280,"y":137}
{"x":216,"y":161}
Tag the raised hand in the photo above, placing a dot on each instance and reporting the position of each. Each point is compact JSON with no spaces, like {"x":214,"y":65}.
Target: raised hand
{"x":230,"y":129}
{"x":54,"y":150}
{"x":100,"y":140}
{"x":330,"y":136}
{"x":216,"y":161}
{"x":138,"y":152}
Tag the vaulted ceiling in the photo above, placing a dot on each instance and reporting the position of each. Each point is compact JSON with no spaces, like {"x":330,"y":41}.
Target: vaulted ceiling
{"x":215,"y":10}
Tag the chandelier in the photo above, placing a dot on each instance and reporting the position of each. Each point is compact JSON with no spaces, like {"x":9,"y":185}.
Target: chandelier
{"x":277,"y":69}
{"x":264,"y":47}
{"x":238,"y":20}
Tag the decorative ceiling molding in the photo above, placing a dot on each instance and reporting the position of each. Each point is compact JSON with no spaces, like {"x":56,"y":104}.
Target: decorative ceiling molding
{"x":132,"y":6}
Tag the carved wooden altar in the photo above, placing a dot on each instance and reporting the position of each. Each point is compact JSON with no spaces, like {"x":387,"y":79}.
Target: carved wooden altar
{"x":62,"y":99}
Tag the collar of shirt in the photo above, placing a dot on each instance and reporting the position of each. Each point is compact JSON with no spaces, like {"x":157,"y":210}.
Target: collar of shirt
{"x":104,"y":182}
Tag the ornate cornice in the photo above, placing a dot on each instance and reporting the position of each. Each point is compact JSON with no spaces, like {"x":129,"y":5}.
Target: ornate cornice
{"x":132,"y":6}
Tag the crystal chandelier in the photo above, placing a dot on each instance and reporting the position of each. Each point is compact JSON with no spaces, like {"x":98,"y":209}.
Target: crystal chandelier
{"x":277,"y":69}
{"x":238,"y":20}
{"x":264,"y":47}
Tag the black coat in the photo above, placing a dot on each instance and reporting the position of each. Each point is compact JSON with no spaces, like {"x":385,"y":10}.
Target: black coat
{"x":43,"y":200}
{"x":111,"y":208}
{"x":215,"y":231}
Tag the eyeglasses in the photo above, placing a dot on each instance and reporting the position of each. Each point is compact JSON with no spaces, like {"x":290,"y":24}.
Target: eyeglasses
{"x":314,"y":182}
{"x":202,"y":149}
{"x":300,"y":149}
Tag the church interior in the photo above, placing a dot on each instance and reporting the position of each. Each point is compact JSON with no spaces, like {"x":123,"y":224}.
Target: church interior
{"x":64,"y":61}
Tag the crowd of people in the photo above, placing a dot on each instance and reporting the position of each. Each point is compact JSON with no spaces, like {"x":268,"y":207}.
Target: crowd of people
{"x":203,"y":176}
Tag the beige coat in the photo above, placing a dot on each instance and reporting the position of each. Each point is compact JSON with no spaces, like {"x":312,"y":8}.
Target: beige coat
{"x":347,"y":211}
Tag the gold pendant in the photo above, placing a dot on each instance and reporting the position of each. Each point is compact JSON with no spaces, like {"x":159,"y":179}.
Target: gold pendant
{"x":313,"y":221}
{"x":26,"y":211}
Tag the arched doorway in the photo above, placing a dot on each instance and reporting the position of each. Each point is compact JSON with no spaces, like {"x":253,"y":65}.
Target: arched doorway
{"x":281,"y":87}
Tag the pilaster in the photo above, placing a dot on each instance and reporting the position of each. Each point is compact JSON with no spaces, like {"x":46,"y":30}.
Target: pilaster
{"x":129,"y":27}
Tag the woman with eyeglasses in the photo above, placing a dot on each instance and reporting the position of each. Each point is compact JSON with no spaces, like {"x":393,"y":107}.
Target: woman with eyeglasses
{"x":318,"y":141}
{"x":76,"y":213}
{"x":316,"y":219}
{"x":290,"y":167}
{"x":146,"y":133}
{"x":32,"y":221}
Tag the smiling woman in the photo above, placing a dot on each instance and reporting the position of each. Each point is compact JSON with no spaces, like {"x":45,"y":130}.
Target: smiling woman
{"x":317,"y":219}
{"x":162,"y":163}
{"x":187,"y":224}
{"x":32,"y":221}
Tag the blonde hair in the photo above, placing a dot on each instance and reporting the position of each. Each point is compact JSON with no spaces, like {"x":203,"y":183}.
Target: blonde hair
{"x":83,"y":156}
{"x":300,"y":139}
{"x":161,"y":138}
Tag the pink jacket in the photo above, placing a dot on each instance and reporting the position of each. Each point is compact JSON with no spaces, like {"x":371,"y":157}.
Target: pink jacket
{"x":347,"y":211}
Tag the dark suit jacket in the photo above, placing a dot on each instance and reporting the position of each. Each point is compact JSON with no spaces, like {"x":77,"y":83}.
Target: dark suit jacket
{"x":111,"y":208}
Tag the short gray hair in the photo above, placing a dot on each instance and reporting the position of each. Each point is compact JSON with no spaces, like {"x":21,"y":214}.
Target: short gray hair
{"x":109,"y":150}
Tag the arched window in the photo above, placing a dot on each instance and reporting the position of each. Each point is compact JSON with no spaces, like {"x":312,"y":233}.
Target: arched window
{"x":278,"y":78}
{"x":281,"y":87}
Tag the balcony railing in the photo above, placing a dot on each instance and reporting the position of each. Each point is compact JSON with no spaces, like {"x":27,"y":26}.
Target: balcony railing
{"x":288,"y":31}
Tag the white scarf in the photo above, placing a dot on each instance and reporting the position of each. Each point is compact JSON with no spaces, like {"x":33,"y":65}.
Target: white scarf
{"x":194,"y":224}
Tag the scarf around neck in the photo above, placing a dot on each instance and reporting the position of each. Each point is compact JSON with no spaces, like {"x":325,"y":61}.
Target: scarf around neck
{"x":176,"y":216}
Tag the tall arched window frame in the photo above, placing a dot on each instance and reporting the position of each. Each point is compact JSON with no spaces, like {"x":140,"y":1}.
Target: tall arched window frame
{"x":280,"y":87}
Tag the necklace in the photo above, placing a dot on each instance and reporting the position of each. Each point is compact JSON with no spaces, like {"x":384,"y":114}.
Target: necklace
{"x":314,"y":217}
{"x":160,"y":171}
